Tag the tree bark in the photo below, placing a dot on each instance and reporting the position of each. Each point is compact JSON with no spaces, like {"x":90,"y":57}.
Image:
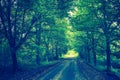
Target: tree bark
{"x":14,"y":59}
{"x":88,"y":54}
{"x":37,"y":58}
{"x":57,"y":56}
{"x":38,"y":36}
{"x":94,"y":57}
{"x":108,"y":53}
{"x":93,"y":49}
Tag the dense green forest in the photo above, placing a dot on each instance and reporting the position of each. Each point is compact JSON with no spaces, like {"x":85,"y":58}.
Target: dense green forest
{"x":33,"y":32}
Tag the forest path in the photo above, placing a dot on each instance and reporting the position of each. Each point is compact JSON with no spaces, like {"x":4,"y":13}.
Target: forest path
{"x":72,"y":69}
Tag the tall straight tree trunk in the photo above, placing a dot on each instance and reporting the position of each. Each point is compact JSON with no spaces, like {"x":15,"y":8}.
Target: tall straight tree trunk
{"x":94,"y":57}
{"x":88,"y":52}
{"x":56,"y":51}
{"x":89,"y":60}
{"x":108,"y":53}
{"x":88,"y":47}
{"x":14,"y":59}
{"x":93,"y":49}
{"x":38,"y":44}
{"x":47,"y":52}
{"x":106,"y":28}
{"x":94,"y":52}
{"x":37,"y":57}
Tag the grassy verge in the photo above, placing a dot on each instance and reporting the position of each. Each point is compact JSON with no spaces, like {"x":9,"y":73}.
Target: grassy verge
{"x":115,"y":73}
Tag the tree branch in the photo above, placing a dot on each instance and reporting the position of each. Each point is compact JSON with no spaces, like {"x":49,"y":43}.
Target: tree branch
{"x":23,"y":39}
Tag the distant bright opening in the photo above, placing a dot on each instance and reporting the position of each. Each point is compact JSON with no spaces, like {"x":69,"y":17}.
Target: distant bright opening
{"x":71,"y":54}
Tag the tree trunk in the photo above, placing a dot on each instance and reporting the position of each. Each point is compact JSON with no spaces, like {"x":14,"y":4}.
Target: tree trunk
{"x":14,"y":59}
{"x":57,"y":56}
{"x":38,"y":40}
{"x":56,"y":51}
{"x":88,"y":54}
{"x":94,"y":53}
{"x":93,"y":49}
{"x":106,"y":29}
{"x":47,"y":52}
{"x":108,"y":52}
{"x":89,"y":60}
{"x":94,"y":57}
{"x":37,"y":58}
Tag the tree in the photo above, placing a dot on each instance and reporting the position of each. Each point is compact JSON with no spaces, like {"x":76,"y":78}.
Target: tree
{"x":101,"y":16}
{"x":108,"y":20}
{"x":17,"y":22}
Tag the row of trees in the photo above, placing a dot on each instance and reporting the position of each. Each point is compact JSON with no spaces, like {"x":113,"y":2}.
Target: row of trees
{"x":99,"y":23}
{"x":33,"y":28}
